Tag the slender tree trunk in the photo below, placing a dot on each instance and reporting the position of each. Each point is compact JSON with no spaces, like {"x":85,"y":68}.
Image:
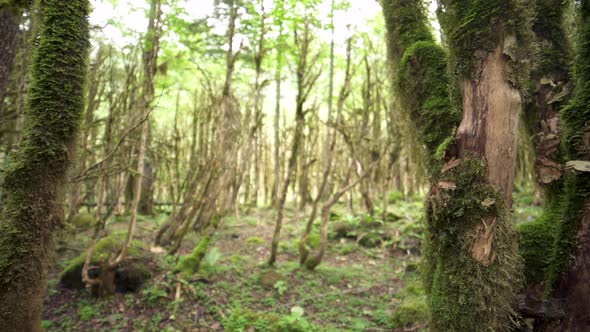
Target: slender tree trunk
{"x":150,"y":63}
{"x":306,"y":79}
{"x":34,"y":183}
{"x":95,"y":91}
{"x":9,"y":20}
{"x":329,"y":152}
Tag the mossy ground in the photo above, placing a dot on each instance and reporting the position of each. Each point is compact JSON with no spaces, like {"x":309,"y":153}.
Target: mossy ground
{"x":355,"y":289}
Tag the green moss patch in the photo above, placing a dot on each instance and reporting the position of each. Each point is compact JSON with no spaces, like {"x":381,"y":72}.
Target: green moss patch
{"x":535,"y":248}
{"x":470,"y":292}
{"x":422,"y":84}
{"x":83,"y":220}
{"x":130,"y":274}
{"x":472,"y":30}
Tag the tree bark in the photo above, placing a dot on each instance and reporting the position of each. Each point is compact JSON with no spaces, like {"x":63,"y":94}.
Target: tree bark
{"x":569,"y":270}
{"x":9,"y":21}
{"x":150,"y":63}
{"x":34,"y":183}
{"x":471,"y":269}
{"x":306,"y":79}
{"x":491,"y":109}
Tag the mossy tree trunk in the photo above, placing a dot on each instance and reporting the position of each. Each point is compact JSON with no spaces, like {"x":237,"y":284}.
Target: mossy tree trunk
{"x":550,"y":89}
{"x":568,"y":276}
{"x":33,"y":186}
{"x":477,"y":272}
{"x":471,"y":268}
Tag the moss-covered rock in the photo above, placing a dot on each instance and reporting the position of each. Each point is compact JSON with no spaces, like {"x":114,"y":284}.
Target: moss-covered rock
{"x":370,"y":240}
{"x":130,"y":274}
{"x":412,"y":310}
{"x":342,"y":230}
{"x":268,"y":279}
{"x":83,"y":220}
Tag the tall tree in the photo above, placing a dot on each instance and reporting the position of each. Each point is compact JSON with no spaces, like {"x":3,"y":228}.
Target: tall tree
{"x":307,"y":75}
{"x":150,"y":65}
{"x":33,"y":186}
{"x":471,"y":266}
{"x":279,"y":15}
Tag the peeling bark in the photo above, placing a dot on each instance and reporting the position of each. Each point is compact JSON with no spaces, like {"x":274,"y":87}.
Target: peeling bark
{"x":491,"y":107}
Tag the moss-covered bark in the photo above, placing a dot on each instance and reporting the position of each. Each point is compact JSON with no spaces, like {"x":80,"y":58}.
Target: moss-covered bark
{"x":472,"y":267}
{"x":34,"y":182}
{"x":551,"y":36}
{"x":473,"y":242}
{"x":472,"y":271}
{"x":550,"y":88}
{"x":536,"y":242}
{"x":406,"y":22}
{"x":472,"y":28}
{"x":422,"y":86}
{"x":569,"y":268}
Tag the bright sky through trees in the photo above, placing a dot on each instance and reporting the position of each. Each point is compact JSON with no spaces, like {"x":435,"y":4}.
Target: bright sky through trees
{"x":132,"y":14}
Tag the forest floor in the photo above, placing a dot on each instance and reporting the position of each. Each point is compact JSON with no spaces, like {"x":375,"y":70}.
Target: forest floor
{"x":363,"y":284}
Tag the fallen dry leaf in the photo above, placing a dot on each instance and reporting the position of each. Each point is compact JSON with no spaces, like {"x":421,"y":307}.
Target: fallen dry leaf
{"x":448,"y":185}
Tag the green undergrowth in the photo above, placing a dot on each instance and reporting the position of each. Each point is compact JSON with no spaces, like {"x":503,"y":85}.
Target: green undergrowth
{"x":356,"y":288}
